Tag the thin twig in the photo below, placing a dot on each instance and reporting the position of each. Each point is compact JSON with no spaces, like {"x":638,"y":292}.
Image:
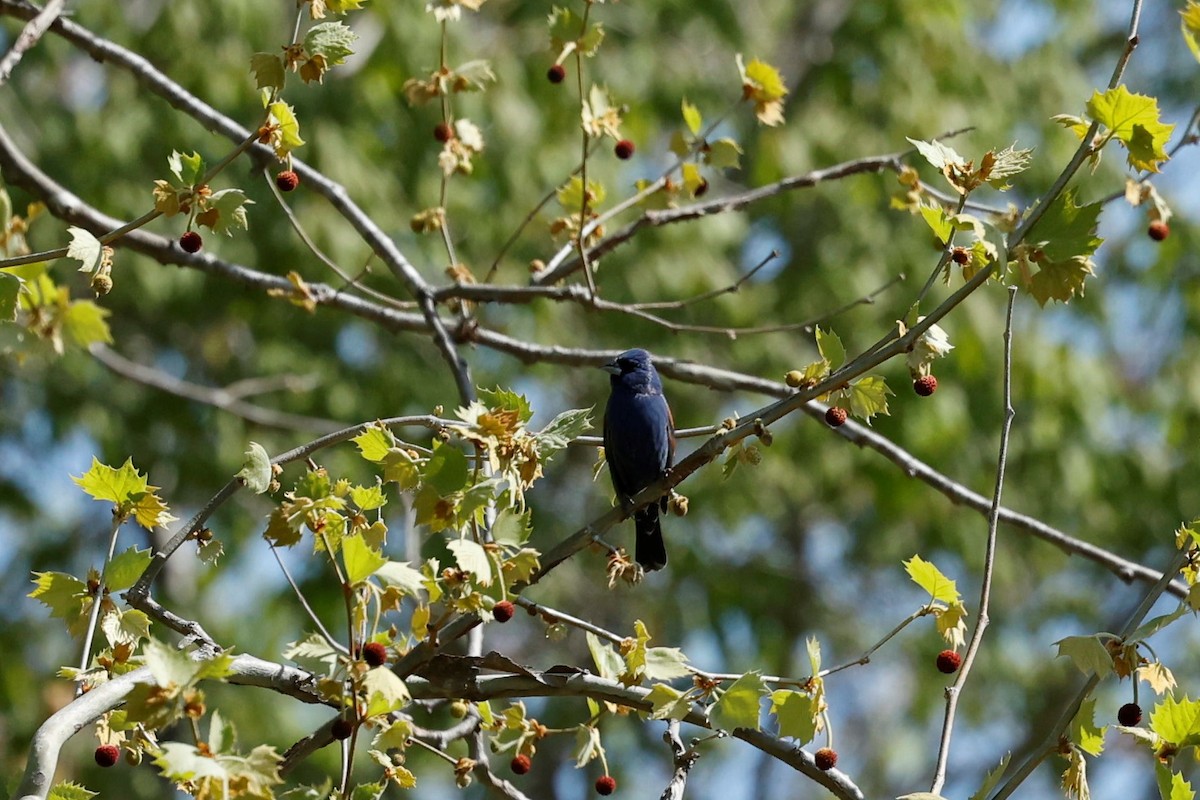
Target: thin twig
{"x":682,"y":759}
{"x":989,"y":559}
{"x":29,"y":36}
{"x":222,"y":399}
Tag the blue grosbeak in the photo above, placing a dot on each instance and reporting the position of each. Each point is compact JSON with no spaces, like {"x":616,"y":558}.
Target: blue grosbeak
{"x":639,"y":445}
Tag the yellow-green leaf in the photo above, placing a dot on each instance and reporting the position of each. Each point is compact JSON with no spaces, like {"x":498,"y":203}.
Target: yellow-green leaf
{"x":691,"y":117}
{"x":1134,"y":120}
{"x":931,"y":579}
{"x":738,"y":706}
{"x":360,"y":560}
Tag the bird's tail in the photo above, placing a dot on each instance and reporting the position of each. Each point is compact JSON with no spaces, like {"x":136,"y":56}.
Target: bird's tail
{"x":649,"y":548}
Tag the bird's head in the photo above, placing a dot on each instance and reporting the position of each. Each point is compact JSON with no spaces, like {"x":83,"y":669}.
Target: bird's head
{"x":634,"y":370}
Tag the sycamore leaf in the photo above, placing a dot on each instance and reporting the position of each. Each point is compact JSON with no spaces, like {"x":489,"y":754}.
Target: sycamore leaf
{"x":169,"y":666}
{"x":10,"y":290}
{"x":360,"y":560}
{"x":562,"y":430}
{"x":125,"y":568}
{"x":1084,"y":733}
{"x":117,"y":486}
{"x":691,"y":117}
{"x":1063,"y":241}
{"x":570,"y":194}
{"x":63,"y":594}
{"x":608,"y":662}
{"x":1189,"y":23}
{"x":1087,"y":653}
{"x":512,"y":528}
{"x":84,"y":322}
{"x":127,"y":627}
{"x":931,"y":579}
{"x":1134,"y":120}
{"x":738,"y":706}
{"x":952,"y":625}
{"x":1074,"y":779}
{"x":402,"y":576}
{"x":1172,"y":785}
{"x":992,"y":779}
{"x":84,"y":248}
{"x":256,"y":469}
{"x":938,"y":222}
{"x":385,"y":692}
{"x":1158,"y":676}
{"x":472,"y":558}
{"x":829,"y":345}
{"x":996,"y":168}
{"x":226,"y":211}
{"x":330,"y":40}
{"x":282,"y":118}
{"x":940,"y":156}
{"x":375,"y":442}
{"x":724,"y":153}
{"x":868,"y":397}
{"x":186,"y":168}
{"x":587,"y":744}
{"x":763,"y":84}
{"x":667,"y":702}
{"x":268,"y":71}
{"x":664,"y":663}
{"x":70,"y":791}
{"x":1177,"y":720}
{"x":798,"y":714}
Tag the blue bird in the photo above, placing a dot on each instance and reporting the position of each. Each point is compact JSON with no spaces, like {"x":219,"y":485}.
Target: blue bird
{"x":639,"y":445}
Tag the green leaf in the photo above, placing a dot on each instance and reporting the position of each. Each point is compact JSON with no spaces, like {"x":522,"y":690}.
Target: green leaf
{"x":368,"y":498}
{"x":401,"y":575}
{"x":256,"y":469}
{"x":385,"y":692}
{"x":667,"y":702}
{"x":724,"y":153}
{"x":664,"y":663}
{"x":10,"y":290}
{"x":84,"y":248}
{"x":169,"y":666}
{"x":84,"y":322}
{"x":829,"y":345}
{"x":1084,"y":732}
{"x":992,"y":779}
{"x":587,"y":744}
{"x":70,"y":791}
{"x":507,"y":400}
{"x":125,"y":627}
{"x":360,"y":560}
{"x":562,"y":430}
{"x":738,"y":706}
{"x":570,"y":195}
{"x":186,"y":168}
{"x":230,"y":207}
{"x":447,"y":471}
{"x":375,"y":442}
{"x":1177,"y":721}
{"x":521,"y":565}
{"x":472,"y":558}
{"x":1189,"y":23}
{"x":332,"y":40}
{"x":63,"y":594}
{"x":118,"y":486}
{"x":868,"y":397}
{"x":1172,"y":785}
{"x":512,"y":528}
{"x":1088,"y":653}
{"x":1134,"y":120}
{"x":931,"y":579}
{"x":608,"y":663}
{"x":797,"y":713}
{"x":1064,"y":240}
{"x":268,"y":71}
{"x":282,"y":115}
{"x":938,"y":222}
{"x":691,"y":117}
{"x":125,"y":568}
{"x":937,"y":154}
{"x":1153,"y":626}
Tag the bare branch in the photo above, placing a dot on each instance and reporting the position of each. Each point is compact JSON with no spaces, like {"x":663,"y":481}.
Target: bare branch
{"x":222,"y":399}
{"x":29,"y":36}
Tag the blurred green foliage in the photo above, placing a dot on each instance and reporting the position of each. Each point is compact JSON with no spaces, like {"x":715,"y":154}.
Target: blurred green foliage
{"x":807,"y":543}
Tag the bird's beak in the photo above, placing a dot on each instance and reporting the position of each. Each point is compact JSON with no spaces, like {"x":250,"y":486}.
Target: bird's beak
{"x":612,"y":368}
